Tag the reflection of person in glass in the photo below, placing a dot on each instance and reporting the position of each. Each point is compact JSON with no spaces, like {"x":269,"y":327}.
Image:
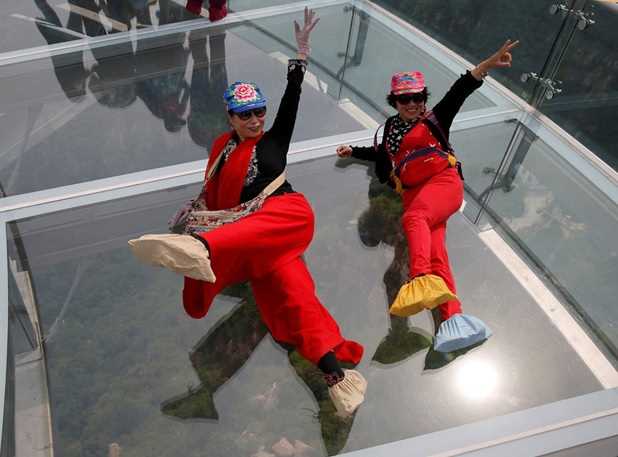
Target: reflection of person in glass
{"x":416,"y":158}
{"x":73,"y":77}
{"x":208,"y":81}
{"x":217,"y":9}
{"x":221,"y":353}
{"x":261,"y":234}
{"x":166,"y":92}
{"x":379,"y":223}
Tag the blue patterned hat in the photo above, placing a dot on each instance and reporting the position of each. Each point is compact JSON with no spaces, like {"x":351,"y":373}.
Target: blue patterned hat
{"x":243,"y":96}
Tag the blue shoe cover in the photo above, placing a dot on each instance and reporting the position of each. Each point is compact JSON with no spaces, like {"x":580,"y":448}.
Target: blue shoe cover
{"x":460,"y":331}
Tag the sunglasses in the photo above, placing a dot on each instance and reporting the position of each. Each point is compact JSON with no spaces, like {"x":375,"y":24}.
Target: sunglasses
{"x":246,"y":115}
{"x":404,"y":99}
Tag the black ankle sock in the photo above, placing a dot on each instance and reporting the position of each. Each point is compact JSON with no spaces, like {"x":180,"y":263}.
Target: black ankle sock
{"x":331,"y":368}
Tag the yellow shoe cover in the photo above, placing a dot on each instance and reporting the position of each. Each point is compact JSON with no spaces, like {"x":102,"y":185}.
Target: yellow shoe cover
{"x":348,"y":394}
{"x":180,"y":253}
{"x":423,"y":292}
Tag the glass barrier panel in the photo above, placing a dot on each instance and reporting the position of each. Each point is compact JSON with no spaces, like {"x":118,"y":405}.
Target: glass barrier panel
{"x":567,"y":223}
{"x":475,"y":29}
{"x":375,"y":53}
{"x":587,"y":79}
{"x":481,"y":150}
{"x":275,"y":36}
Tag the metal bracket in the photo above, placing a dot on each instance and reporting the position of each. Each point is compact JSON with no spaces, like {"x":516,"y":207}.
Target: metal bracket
{"x":552,"y":87}
{"x":584,"y":19}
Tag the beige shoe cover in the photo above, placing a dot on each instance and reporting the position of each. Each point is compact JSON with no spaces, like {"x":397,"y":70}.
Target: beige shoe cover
{"x":348,"y":394}
{"x":180,"y":253}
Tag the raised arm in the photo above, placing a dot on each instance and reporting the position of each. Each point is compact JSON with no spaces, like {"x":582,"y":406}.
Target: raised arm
{"x":283,"y":126}
{"x":502,"y":58}
{"x":446,"y":110}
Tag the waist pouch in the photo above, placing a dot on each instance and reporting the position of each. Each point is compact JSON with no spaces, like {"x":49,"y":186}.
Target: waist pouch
{"x":420,"y":165}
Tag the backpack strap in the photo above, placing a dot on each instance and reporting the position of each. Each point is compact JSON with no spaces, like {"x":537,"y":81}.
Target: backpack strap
{"x":437,"y":130}
{"x":394,"y":177}
{"x":375,"y":136}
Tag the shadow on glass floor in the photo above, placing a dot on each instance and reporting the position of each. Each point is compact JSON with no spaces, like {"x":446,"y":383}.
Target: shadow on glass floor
{"x":226,"y":348}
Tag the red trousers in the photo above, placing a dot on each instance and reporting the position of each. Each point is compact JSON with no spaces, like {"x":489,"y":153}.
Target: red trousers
{"x":427,"y":207}
{"x":265,"y":248}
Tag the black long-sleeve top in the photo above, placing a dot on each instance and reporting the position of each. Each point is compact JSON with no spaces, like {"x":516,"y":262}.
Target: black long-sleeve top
{"x":445,"y":111}
{"x":270,"y":158}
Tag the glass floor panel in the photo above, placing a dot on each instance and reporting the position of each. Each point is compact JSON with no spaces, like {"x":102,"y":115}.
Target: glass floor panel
{"x":127,"y":366}
{"x":142,"y":105}
{"x":26,"y":24}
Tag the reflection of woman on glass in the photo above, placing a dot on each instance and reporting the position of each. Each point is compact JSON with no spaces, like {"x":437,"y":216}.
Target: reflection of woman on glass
{"x":262,"y":233}
{"x":217,"y":9}
{"x":208,"y":81}
{"x":416,"y":158}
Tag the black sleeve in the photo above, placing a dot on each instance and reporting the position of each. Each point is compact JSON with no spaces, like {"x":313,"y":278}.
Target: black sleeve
{"x":447,"y":108}
{"x":368,"y":152}
{"x":383,"y":164}
{"x":272,"y":149}
{"x":364,"y":153}
{"x":283,"y":126}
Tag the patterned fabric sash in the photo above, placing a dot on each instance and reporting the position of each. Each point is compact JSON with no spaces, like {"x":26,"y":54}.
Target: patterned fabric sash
{"x":199,"y":219}
{"x":212,"y":208}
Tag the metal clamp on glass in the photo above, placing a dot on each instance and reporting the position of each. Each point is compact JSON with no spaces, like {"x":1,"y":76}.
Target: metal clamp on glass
{"x":551,"y":86}
{"x":583,"y":18}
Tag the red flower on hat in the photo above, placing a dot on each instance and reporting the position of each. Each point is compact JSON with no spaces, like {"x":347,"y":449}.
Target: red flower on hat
{"x":245,"y":92}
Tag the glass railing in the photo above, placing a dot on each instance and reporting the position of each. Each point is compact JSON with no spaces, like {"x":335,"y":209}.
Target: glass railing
{"x":566,"y":224}
{"x":123,"y":368}
{"x":374,"y":53}
{"x":586,"y":76}
{"x":473,"y":28}
{"x":569,"y":43}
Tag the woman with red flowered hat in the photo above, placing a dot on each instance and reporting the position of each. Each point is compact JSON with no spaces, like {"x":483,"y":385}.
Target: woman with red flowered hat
{"x":248,"y":224}
{"x":415,"y":157}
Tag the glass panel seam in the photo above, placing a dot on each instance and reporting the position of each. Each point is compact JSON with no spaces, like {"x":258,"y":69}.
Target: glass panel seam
{"x":112,"y":188}
{"x":4,"y":320}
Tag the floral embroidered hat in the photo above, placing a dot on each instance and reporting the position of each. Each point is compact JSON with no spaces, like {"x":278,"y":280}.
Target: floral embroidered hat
{"x":407,"y":82}
{"x":243,"y":96}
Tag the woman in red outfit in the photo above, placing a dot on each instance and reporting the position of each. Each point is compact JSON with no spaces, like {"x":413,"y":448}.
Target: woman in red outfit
{"x":416,"y":158}
{"x":248,"y":224}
